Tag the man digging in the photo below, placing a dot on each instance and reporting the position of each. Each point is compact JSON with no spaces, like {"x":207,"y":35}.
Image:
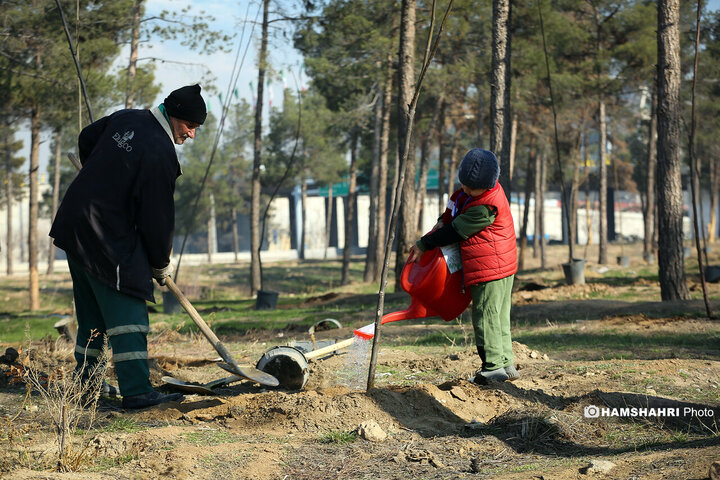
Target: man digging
{"x":116,"y":225}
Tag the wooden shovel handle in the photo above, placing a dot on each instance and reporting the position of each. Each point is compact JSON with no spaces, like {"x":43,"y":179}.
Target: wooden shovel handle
{"x":330,"y":348}
{"x":212,"y":338}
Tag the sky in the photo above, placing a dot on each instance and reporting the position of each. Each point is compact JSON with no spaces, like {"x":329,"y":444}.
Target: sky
{"x":185,"y":67}
{"x":234,"y":18}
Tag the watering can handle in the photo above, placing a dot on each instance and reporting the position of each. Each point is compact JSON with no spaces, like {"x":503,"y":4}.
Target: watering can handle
{"x":405,"y":275}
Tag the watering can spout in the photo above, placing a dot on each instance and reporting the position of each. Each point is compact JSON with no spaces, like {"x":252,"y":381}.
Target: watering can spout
{"x":415,"y":310}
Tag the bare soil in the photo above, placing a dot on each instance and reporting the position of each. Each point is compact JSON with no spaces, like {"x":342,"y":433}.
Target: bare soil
{"x":439,"y":425}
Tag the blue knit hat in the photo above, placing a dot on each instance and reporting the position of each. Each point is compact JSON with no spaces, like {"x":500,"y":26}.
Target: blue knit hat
{"x":479,"y":169}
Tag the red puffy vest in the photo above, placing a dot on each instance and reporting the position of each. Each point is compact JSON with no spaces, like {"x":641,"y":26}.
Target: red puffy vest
{"x":490,"y":254}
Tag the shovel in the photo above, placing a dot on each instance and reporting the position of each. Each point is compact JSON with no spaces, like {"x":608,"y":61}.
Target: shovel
{"x":231,"y":366}
{"x":206,"y":389}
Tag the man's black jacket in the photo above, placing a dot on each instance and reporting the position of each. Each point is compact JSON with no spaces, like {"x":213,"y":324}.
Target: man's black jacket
{"x":117,"y":218}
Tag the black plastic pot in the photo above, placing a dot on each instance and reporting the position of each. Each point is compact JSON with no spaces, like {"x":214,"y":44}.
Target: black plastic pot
{"x":574,"y":271}
{"x":712,"y":273}
{"x":266,"y":300}
{"x":170,"y":303}
{"x":623,"y":261}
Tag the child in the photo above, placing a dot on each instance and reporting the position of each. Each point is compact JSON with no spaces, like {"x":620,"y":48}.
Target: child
{"x":478,"y":216}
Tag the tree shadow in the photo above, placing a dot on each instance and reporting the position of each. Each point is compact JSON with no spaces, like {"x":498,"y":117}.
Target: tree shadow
{"x":596,"y":309}
{"x":638,"y":346}
{"x":560,"y":429}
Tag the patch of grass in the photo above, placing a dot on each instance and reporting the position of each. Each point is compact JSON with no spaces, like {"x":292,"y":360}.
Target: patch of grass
{"x":666,"y":387}
{"x":539,"y":466}
{"x":210,"y":437}
{"x":642,"y":435}
{"x":124,"y":425}
{"x":338,"y":437}
{"x":441,"y":338}
{"x":106,"y":463}
{"x":525,"y":468}
{"x":18,"y":328}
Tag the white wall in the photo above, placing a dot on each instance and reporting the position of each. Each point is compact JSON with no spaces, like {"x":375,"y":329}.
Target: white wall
{"x":20,"y":224}
{"x":278,"y":233}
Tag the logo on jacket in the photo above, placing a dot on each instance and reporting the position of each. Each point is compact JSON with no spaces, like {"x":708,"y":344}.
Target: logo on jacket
{"x":124,"y":140}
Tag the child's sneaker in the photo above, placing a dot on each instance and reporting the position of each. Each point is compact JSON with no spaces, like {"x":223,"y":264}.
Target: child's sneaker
{"x":512,"y":373}
{"x":487,"y":377}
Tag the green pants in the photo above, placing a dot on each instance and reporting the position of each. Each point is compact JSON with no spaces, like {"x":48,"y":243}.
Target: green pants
{"x":123,"y":318}
{"x":491,"y":322}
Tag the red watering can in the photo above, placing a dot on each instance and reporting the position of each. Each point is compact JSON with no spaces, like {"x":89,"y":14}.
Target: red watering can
{"x":434,"y":292}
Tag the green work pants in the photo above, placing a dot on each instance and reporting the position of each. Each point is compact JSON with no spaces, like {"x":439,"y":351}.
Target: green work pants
{"x":101,"y":311}
{"x":491,"y":322}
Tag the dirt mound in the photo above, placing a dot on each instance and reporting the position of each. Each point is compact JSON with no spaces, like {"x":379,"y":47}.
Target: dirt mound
{"x":524,"y":354}
{"x":428,"y":409}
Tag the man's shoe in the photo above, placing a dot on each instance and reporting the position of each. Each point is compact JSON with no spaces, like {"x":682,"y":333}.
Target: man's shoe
{"x":150,"y":399}
{"x":109,"y":391}
{"x":512,"y":373}
{"x":487,"y":377}
{"x":106,"y":390}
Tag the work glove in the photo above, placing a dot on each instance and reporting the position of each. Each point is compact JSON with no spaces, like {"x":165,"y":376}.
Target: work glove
{"x":160,"y":274}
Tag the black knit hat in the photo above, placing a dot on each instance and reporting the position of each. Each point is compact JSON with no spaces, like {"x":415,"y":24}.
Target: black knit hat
{"x":186,"y":103}
{"x":479,"y":169}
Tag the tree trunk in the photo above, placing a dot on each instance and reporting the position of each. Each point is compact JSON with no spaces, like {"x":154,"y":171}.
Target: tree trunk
{"x":350,"y":211}
{"x":602,"y":229}
{"x":422,"y":183}
{"x":529,"y":181}
{"x":371,"y":256}
{"x":382,"y":187}
{"x":442,"y":153}
{"x":407,"y":221}
{"x":541,"y":223}
{"x":500,"y":91}
{"x":534,"y":160}
{"x":132,"y":65}
{"x":406,"y":75}
{"x":513,"y":145}
{"x":328,"y":219}
{"x":713,"y":165}
{"x":303,"y":233}
{"x":55,"y":198}
{"x":453,"y":164}
{"x":236,"y":239}
{"x":33,"y":214}
{"x":649,"y":211}
{"x":9,"y":197}
{"x":255,"y":267}
{"x":574,"y":188}
{"x":588,"y":204}
{"x":671,"y":267}
{"x":212,"y":230}
{"x":425,"y":166}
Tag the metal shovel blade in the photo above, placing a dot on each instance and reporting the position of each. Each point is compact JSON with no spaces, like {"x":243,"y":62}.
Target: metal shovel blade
{"x":187,"y":387}
{"x":251,"y":373}
{"x":206,"y":389}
